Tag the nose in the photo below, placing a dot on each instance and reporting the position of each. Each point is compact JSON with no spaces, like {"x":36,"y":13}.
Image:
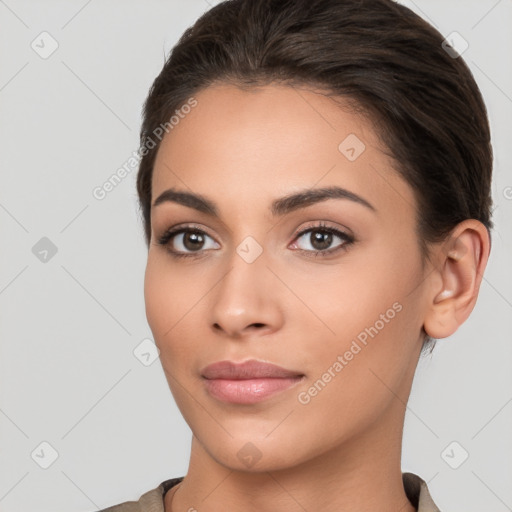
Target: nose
{"x":246,"y":300}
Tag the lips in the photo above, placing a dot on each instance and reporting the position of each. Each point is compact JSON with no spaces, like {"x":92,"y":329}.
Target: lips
{"x":248,"y":382}
{"x":247,"y":370}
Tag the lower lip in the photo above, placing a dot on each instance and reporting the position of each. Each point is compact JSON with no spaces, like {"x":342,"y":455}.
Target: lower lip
{"x":248,"y":391}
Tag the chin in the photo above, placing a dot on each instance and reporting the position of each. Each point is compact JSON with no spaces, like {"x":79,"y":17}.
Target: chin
{"x":250,"y":458}
{"x":248,"y":451}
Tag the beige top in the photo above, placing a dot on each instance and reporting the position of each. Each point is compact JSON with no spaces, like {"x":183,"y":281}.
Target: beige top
{"x":153,"y":501}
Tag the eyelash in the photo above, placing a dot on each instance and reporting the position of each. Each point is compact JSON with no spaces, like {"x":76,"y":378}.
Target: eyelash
{"x":348,"y":239}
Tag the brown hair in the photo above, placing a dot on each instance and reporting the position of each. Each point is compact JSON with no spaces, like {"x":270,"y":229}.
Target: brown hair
{"x":378,"y":55}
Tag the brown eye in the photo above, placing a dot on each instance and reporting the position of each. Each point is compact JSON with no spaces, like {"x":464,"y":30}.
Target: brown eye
{"x":318,"y":240}
{"x":187,"y":241}
{"x":193,"y":240}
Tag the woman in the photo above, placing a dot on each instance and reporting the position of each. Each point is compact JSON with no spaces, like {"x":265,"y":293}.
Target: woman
{"x":315,"y":190}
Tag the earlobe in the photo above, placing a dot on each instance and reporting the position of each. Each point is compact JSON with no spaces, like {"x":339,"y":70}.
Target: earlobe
{"x":456,"y":280}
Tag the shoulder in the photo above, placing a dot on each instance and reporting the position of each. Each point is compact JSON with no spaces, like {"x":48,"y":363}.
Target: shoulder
{"x":417,"y":491}
{"x":150,"y":501}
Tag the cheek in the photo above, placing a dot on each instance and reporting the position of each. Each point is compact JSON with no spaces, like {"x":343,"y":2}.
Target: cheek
{"x":339,"y":301}
{"x":167,"y":292}
{"x":363,"y":315}
{"x":357,"y":375}
{"x":165,"y":296}
{"x":173,"y":308}
{"x":157,"y":301}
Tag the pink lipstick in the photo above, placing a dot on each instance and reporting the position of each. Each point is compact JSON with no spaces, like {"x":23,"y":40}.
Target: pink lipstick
{"x":248,"y":382}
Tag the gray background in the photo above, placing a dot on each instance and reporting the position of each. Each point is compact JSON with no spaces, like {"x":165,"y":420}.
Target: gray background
{"x":69,"y":326}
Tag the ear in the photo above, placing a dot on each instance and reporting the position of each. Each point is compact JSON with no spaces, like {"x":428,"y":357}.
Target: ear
{"x":455,"y":282}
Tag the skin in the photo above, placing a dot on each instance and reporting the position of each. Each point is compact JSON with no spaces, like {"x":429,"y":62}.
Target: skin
{"x":341,"y":451}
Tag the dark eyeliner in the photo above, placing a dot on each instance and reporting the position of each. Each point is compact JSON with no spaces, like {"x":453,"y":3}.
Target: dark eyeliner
{"x":168,"y":235}
{"x":349,"y":240}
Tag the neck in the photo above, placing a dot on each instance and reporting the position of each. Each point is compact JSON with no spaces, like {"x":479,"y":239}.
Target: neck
{"x":363,"y":475}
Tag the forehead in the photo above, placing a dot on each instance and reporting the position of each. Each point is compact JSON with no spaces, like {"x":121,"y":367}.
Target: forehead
{"x":270,"y":140}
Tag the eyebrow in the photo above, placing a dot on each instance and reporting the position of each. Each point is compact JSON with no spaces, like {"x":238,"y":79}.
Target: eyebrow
{"x":279,"y":207}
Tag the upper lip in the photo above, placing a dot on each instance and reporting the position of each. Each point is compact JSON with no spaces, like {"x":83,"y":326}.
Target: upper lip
{"x":247,"y":370}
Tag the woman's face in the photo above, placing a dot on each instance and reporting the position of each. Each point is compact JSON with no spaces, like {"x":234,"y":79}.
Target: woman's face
{"x":343,"y":309}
